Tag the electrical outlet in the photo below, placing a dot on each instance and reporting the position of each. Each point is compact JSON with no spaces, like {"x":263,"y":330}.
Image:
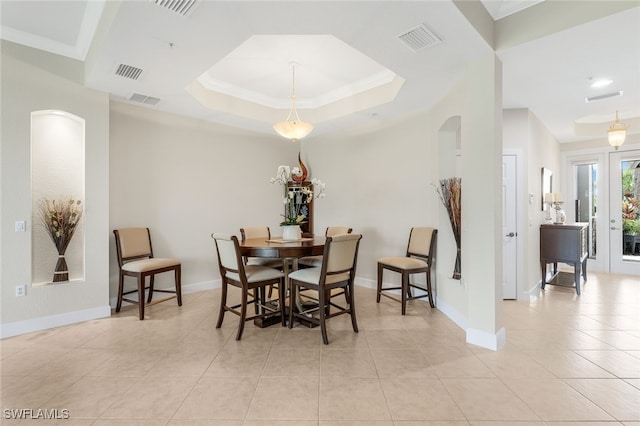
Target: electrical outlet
{"x":21,"y":290}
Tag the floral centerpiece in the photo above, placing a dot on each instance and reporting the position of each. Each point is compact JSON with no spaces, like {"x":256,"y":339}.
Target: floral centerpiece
{"x":60,"y":219}
{"x":296,"y":197}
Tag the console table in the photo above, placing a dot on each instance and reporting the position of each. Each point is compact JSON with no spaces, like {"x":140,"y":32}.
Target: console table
{"x":564,"y":243}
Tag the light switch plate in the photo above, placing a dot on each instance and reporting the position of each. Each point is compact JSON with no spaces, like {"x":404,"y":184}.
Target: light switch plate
{"x":21,"y":226}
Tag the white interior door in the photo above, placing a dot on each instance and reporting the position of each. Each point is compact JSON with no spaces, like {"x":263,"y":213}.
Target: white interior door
{"x":509,"y":228}
{"x":624,"y":246}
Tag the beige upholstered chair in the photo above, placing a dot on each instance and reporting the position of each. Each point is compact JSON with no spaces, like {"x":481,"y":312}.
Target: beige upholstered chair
{"x":135,"y":259}
{"x":252,"y":280}
{"x":315,"y":261}
{"x":250,"y":232}
{"x":419,"y":258}
{"x":338,"y":270}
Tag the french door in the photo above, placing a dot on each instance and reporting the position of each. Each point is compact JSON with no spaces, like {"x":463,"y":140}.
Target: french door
{"x":624,"y":212}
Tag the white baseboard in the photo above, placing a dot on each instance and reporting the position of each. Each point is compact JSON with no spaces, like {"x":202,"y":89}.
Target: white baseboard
{"x":455,"y":316}
{"x":52,"y":321}
{"x":486,"y":340}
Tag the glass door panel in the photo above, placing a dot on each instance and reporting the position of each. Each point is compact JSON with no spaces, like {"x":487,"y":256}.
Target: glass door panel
{"x":625,"y":212}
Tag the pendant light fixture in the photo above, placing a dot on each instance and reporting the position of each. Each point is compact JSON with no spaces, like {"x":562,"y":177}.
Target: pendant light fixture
{"x":293,"y":128}
{"x":617,"y":133}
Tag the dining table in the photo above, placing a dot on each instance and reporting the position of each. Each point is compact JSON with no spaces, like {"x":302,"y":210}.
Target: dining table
{"x":287,"y":250}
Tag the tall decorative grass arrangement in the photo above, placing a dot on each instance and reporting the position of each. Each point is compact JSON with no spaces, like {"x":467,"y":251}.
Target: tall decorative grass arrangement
{"x":450,"y":194}
{"x":60,"y":218}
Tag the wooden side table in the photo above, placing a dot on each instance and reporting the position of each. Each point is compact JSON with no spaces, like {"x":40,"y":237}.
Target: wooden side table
{"x":565,"y":243}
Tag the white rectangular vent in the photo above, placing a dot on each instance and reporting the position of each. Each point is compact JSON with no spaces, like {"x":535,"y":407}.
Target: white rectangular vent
{"x":420,"y":37}
{"x":149,"y":100}
{"x":128,"y":71}
{"x":181,"y":7}
{"x":605,"y":96}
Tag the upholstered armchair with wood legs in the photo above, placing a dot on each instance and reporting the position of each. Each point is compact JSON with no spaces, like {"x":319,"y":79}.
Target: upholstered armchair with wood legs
{"x":252,"y":280}
{"x":338,"y":270}
{"x":136,"y":259}
{"x":418,"y":260}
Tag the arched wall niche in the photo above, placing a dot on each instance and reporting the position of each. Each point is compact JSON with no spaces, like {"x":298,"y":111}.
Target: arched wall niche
{"x":449,"y":155}
{"x":57,"y":173}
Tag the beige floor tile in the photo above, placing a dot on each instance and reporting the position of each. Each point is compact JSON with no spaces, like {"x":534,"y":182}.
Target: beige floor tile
{"x":554,"y":400}
{"x":352,"y":399}
{"x":420,"y":399}
{"x":224,"y":398}
{"x":618,"y":363}
{"x":301,"y":363}
{"x":568,"y":364}
{"x":238,"y":363}
{"x":512,"y":364}
{"x":151,"y":398}
{"x":488,"y":399}
{"x":389,"y":339}
{"x":410,"y":363}
{"x":31,"y":391}
{"x":562,"y":359}
{"x":450,"y":362}
{"x":347,"y":363}
{"x":285,"y":398}
{"x":616,"y":397}
{"x":91,"y":396}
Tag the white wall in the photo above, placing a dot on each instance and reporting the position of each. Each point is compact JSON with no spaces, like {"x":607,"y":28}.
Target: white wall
{"x":34,"y":81}
{"x":523,"y":132}
{"x":185,"y":179}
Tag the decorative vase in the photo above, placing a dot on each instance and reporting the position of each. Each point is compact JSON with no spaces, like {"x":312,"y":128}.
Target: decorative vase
{"x":61,"y":273}
{"x":291,"y":232}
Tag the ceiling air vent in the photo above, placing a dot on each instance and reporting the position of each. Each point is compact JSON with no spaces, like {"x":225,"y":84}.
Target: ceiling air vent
{"x":605,"y":96}
{"x":419,"y":38}
{"x":128,"y":71}
{"x":149,"y":100}
{"x":181,"y":7}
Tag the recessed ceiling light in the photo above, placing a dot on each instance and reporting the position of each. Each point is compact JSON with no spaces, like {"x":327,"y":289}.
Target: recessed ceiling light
{"x":602,"y":82}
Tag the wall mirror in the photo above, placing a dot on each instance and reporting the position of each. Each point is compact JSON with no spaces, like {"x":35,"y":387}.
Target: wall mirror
{"x":547,"y":181}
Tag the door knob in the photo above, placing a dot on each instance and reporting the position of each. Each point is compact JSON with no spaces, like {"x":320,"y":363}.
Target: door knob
{"x":613,"y":228}
{"x":511,"y":234}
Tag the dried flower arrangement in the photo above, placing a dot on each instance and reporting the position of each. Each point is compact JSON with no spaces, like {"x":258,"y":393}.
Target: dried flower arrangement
{"x":60,"y":219}
{"x":450,"y":192}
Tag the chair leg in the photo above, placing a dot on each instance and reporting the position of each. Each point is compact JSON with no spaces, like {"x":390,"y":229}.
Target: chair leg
{"x":380,"y":270}
{"x":120,"y":290}
{"x":352,"y":307}
{"x":141,"y":296}
{"x":405,"y":285}
{"x":223,"y":304}
{"x":429,"y":289}
{"x":151,"y":283}
{"x":322,"y":311}
{"x":281,"y":301}
{"x":178,"y":275}
{"x":292,"y":303}
{"x":243,"y":313}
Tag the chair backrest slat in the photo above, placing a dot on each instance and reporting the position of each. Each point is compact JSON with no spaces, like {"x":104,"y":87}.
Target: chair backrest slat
{"x":420,"y":242}
{"x":337,"y":230}
{"x":255,"y":232}
{"x":134,"y":242}
{"x":340,"y":252}
{"x":227,"y":250}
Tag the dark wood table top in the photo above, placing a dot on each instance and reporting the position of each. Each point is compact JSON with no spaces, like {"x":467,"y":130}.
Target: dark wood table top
{"x":259,"y":247}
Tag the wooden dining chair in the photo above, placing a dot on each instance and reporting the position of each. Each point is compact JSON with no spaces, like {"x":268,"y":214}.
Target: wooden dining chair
{"x":338,"y":270}
{"x":314,"y":261}
{"x":250,"y":232}
{"x":252,"y":280}
{"x":418,"y":260}
{"x":136,"y":259}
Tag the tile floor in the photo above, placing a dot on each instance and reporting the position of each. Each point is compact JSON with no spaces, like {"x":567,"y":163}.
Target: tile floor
{"x":568,"y":361}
